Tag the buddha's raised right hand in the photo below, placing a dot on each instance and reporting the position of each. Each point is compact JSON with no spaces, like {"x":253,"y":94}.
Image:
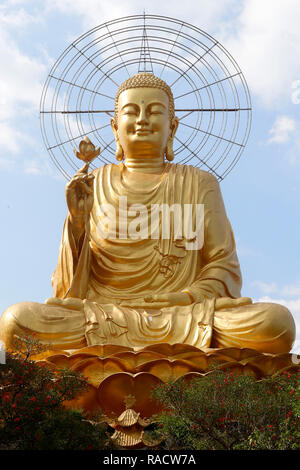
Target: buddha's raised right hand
{"x":80,"y":197}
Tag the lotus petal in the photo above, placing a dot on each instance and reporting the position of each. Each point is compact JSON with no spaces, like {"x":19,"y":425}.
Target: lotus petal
{"x":114,"y":389}
{"x":97,"y":369}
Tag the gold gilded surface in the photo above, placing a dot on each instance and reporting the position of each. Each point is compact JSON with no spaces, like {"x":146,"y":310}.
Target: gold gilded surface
{"x":119,"y":294}
{"x":103,"y":350}
{"x":240,"y":355}
{"x":129,"y":438}
{"x":113,"y":390}
{"x":119,"y":384}
{"x":97,"y":369}
{"x":63,"y":360}
{"x":47,"y":353}
{"x":87,"y":151}
{"x":134,"y":359}
{"x":129,"y":430}
{"x":166,"y":369}
{"x":128,"y":418}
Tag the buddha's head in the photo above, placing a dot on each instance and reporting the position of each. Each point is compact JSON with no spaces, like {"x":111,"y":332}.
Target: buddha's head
{"x":144,"y":122}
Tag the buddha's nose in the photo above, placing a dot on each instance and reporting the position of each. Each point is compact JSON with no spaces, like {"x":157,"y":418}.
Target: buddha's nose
{"x":142,"y":117}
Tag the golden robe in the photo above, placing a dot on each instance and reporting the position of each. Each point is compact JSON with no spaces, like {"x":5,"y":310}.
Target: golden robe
{"x":110,"y":270}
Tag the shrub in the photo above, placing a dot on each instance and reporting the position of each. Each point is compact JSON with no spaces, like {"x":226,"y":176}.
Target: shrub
{"x":32,"y":412}
{"x":225,"y":411}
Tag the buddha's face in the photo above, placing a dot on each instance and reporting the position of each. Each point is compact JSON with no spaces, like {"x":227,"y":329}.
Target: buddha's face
{"x":144,"y":126}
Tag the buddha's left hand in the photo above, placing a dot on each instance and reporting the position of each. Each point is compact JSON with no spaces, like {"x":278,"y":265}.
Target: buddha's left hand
{"x":158,"y":301}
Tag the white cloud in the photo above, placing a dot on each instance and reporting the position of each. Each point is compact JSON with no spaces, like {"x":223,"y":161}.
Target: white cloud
{"x":262,"y":36}
{"x":20,"y":87}
{"x":32,"y":171}
{"x":11,"y":140}
{"x":286,"y":130}
{"x":290,"y":290}
{"x":20,"y":80}
{"x":16,"y":18}
{"x":93,"y":12}
{"x":38,"y":167}
{"x":22,"y":75}
{"x":266,"y":288}
{"x":282,"y":130}
{"x":265,"y":42}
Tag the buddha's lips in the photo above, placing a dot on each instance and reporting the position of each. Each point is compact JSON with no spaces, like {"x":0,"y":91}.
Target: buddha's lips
{"x":143,"y":131}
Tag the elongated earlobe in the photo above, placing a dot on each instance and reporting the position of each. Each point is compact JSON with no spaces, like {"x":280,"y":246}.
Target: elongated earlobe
{"x":169,"y":150}
{"x":119,"y":151}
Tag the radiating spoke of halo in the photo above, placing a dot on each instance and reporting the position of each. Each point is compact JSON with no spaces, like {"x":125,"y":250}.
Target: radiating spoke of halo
{"x":212,"y":100}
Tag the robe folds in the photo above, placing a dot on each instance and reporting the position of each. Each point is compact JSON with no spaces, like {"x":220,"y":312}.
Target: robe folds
{"x":118,"y":269}
{"x":106,"y":271}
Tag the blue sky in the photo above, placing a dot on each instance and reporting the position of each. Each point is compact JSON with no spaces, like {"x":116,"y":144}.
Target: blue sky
{"x":262,"y":193}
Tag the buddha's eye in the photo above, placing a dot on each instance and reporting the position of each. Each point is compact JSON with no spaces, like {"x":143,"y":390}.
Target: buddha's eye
{"x":156,"y":110}
{"x":130,"y":111}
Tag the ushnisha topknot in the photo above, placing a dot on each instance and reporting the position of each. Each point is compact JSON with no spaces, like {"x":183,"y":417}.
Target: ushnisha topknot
{"x":146,"y":80}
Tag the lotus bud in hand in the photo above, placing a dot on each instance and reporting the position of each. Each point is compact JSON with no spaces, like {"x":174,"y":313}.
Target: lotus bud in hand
{"x":87,"y":151}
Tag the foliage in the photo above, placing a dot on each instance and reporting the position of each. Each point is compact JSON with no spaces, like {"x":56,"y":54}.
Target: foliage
{"x":225,"y":411}
{"x":32,"y":412}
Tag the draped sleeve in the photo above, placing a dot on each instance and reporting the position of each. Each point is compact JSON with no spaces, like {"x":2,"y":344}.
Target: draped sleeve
{"x":71,"y":275}
{"x":220,"y":274}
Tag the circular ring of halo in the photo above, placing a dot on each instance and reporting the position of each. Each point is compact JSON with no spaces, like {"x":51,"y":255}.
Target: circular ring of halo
{"x":212,"y":99}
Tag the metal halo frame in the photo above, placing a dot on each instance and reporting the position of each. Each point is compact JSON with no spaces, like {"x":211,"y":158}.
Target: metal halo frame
{"x":211,"y":95}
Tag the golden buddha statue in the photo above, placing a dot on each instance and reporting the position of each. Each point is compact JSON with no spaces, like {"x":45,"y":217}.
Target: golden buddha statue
{"x":136,"y":291}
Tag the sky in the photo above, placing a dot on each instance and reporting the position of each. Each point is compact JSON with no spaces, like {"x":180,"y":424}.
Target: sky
{"x":261,"y":194}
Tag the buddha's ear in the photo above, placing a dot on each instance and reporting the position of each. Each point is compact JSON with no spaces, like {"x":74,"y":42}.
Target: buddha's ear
{"x":169,"y":149}
{"x":114,"y":127}
{"x":174,"y":127}
{"x":119,"y":154}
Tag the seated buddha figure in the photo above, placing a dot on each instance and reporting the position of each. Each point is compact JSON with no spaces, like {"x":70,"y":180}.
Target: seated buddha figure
{"x":113,"y":288}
